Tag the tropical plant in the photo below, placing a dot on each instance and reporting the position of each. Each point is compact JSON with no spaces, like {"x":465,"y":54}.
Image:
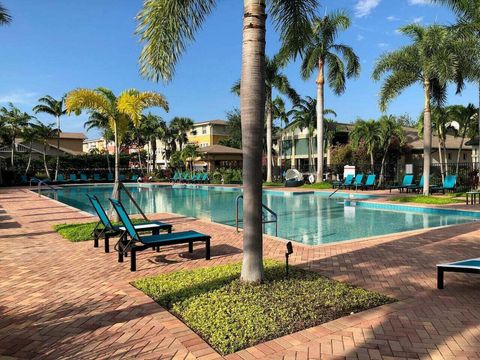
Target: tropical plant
{"x":119,"y":111}
{"x":390,"y":131}
{"x":334,"y":62}
{"x":279,"y":112}
{"x":14,"y":121}
{"x":44,"y":133}
{"x":100,"y":122}
{"x":329,"y":132}
{"x":189,"y":154}
{"x":152,"y":128}
{"x":234,"y":130}
{"x":431,"y":61}
{"x":180,"y":127}
{"x":368,"y":133}
{"x":166,"y":26}
{"x":49,"y":105}
{"x":274,"y":80}
{"x":29,"y":136}
{"x":5,"y":17}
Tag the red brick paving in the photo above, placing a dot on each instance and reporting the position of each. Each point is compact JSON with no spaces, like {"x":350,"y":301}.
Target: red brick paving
{"x":68,"y":300}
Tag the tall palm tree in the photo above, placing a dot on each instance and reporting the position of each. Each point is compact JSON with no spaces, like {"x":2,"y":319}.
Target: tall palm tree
{"x":334,"y":62}
{"x":279,"y":113}
{"x":274,"y":80}
{"x":49,"y":105}
{"x":180,"y":126}
{"x":14,"y":121}
{"x":330,"y":130}
{"x":100,"y":122}
{"x":166,"y":26}
{"x":29,"y":136}
{"x":119,"y":111}
{"x":367,"y":132}
{"x":390,"y":130}
{"x":431,"y":61}
{"x":5,"y":17}
{"x":44,"y":133}
{"x":152,"y":128}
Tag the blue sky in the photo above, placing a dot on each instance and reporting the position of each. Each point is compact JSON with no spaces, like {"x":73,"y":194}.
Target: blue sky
{"x":54,"y":46}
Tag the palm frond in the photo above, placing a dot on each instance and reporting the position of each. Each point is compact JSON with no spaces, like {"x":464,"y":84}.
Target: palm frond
{"x":5,"y":17}
{"x":86,"y":99}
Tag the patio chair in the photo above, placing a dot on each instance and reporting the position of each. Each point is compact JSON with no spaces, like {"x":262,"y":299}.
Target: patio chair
{"x":202,"y":179}
{"x":110,"y":230}
{"x":449,"y":184}
{"x":60,"y":178}
{"x":134,"y":177}
{"x":357,"y":183}
{"x":370,"y":182}
{"x":346,"y":182}
{"x":470,"y":266}
{"x":24,"y":179}
{"x":97,"y":177}
{"x":83,"y":177}
{"x":122,"y":177}
{"x":140,"y":243}
{"x":185,"y":178}
{"x":175,"y":177}
{"x":196,"y":178}
{"x":110,"y":177}
{"x":73,"y":177}
{"x":416,"y":187}
{"x":407,"y":181}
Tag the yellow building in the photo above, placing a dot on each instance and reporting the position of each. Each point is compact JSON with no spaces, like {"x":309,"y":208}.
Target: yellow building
{"x":208,"y":133}
{"x":93,"y":145}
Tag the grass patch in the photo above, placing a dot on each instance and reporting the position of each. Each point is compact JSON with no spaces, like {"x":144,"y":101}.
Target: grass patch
{"x":432,"y":200}
{"x":323,"y":185}
{"x":232,"y":316}
{"x":81,"y":232}
{"x":272,"y":184}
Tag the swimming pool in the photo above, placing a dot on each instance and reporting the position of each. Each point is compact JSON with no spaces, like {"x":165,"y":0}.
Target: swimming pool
{"x":309,"y":218}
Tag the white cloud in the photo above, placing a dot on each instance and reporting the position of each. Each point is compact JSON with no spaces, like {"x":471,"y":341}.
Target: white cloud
{"x":417,"y":20}
{"x":360,"y":37}
{"x":365,"y":7}
{"x":382,"y":45}
{"x":19,"y":97}
{"x":419,"y":2}
{"x":392,"y":18}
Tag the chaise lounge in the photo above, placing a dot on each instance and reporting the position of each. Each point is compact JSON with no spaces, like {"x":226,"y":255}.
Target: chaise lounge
{"x":138,"y":243}
{"x":470,"y":266}
{"x":407,"y":181}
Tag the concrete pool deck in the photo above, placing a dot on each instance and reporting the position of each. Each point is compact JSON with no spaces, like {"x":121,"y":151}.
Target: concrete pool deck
{"x":68,"y":300}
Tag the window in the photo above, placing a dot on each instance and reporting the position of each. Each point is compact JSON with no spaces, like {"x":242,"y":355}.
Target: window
{"x":449,"y":157}
{"x":204,"y":130}
{"x":464,"y":156}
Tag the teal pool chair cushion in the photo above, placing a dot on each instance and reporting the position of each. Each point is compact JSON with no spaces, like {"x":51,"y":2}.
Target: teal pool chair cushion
{"x":470,"y":266}
{"x":138,"y":243}
{"x":407,"y":181}
{"x":370,"y":182}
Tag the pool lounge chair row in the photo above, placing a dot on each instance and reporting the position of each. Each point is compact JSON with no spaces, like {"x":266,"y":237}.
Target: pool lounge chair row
{"x":130,"y":241}
{"x":81,"y":178}
{"x":449,"y":184}
{"x":357,"y":183}
{"x":198,"y":178}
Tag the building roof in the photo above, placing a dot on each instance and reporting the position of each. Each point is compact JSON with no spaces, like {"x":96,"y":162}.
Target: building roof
{"x":219,"y":149}
{"x":72,"y":135}
{"x":211,"y":122}
{"x":413,"y":140}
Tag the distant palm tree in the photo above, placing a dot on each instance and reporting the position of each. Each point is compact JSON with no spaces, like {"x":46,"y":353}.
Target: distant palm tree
{"x":44,"y":133}
{"x":368,"y":133}
{"x":151,"y":128}
{"x":330,"y":130}
{"x":49,"y":105}
{"x":334,"y":62}
{"x":189,"y":154}
{"x":14,"y":121}
{"x":100,"y":122}
{"x":181,"y":126}
{"x":279,"y":113}
{"x":430,"y":60}
{"x":119,"y":111}
{"x":29,"y":136}
{"x":390,"y":130}
{"x":5,"y":17}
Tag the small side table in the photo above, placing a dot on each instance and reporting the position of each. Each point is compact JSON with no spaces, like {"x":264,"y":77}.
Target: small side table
{"x":473,"y":197}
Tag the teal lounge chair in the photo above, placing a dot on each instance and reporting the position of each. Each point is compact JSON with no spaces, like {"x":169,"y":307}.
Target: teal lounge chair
{"x":370,"y":183}
{"x":449,"y":184}
{"x":106,"y":229}
{"x":73,"y":177}
{"x":357,"y":183}
{"x":346,"y":182}
{"x":110,"y":177}
{"x":83,"y":177}
{"x":122,"y":177}
{"x":407,"y":181}
{"x":97,"y":177}
{"x":470,"y":266}
{"x":60,"y":178}
{"x":175,"y":177}
{"x":23,"y":179}
{"x":196,"y":178}
{"x":202,"y":179}
{"x":416,"y":187}
{"x":134,"y":177}
{"x":140,"y":243}
{"x":185,"y":178}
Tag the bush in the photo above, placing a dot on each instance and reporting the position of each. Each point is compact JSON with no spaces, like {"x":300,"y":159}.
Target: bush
{"x":231,"y":315}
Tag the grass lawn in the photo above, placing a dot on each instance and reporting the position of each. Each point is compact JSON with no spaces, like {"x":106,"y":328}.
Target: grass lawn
{"x":433,"y":200}
{"x":272,"y":184}
{"x":232,"y":316}
{"x":81,"y":232}
{"x":323,"y":185}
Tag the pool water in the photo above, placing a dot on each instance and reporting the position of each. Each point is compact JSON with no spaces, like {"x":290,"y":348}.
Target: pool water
{"x":309,"y":218}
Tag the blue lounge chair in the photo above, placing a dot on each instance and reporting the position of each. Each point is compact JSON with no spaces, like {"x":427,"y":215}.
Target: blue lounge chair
{"x":23,"y":179}
{"x":97,"y":177}
{"x":416,"y":187}
{"x":175,"y":177}
{"x":470,"y":266}
{"x":73,"y":177}
{"x":83,"y":177}
{"x":108,"y":230}
{"x":407,"y":181}
{"x":60,"y":178}
{"x":449,"y":184}
{"x":134,"y":177}
{"x":346,"y":182}
{"x":370,"y":183}
{"x":202,"y":178}
{"x":357,"y":183}
{"x":121,"y":177}
{"x":110,"y":177}
{"x":138,"y":243}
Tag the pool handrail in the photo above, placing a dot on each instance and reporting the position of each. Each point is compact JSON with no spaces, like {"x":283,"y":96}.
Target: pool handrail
{"x":264,"y":207}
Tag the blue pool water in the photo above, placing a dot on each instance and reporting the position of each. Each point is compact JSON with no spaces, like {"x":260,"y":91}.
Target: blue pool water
{"x":310,"y":218}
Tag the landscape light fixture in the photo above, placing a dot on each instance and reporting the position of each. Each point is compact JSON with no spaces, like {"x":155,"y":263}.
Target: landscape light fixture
{"x":287,"y":254}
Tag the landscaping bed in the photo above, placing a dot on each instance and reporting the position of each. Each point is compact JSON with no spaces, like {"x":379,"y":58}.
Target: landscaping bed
{"x":231,"y":315}
{"x":432,"y":200}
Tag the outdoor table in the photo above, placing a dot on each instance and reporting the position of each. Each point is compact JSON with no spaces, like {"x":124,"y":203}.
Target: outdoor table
{"x":473,"y":197}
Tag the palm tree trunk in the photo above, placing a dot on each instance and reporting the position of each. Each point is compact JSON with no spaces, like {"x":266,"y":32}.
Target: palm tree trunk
{"x":320,"y":107}
{"x":440,"y":155}
{"x":427,"y":138}
{"x":107,"y":152}
{"x":154,"y":153}
{"x":45,"y":160}
{"x":372,"y":162}
{"x":382,"y":169}
{"x":116,"y":188}
{"x":292,"y":157}
{"x":460,"y":148}
{"x":58,"y":148}
{"x":329,"y":153}
{"x":12,"y":161}
{"x":252,"y":107}
{"x":269,"y":137}
{"x":445,"y":157}
{"x":29,"y":159}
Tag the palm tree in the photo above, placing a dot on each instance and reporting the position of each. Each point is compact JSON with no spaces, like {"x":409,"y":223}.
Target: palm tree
{"x":368,"y":133}
{"x":119,"y":111}
{"x":5,"y":17}
{"x":189,"y":154}
{"x":279,"y":113}
{"x":330,"y":130}
{"x":274,"y":79}
{"x":180,"y":126}
{"x":430,"y":61}
{"x":153,"y":127}
{"x":166,"y":26}
{"x":49,"y":105}
{"x":333,"y":61}
{"x":15,"y":121}
{"x":44,"y":133}
{"x":390,"y":130}
{"x":29,"y":135}
{"x":100,"y":122}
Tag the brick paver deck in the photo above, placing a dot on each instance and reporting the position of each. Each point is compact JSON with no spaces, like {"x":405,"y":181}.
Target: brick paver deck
{"x":68,"y":300}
